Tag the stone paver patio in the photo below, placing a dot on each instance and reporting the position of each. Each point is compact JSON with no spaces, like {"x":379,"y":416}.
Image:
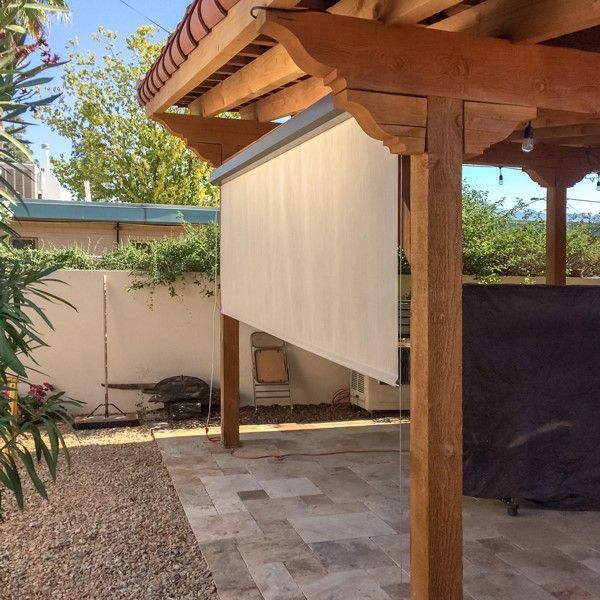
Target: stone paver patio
{"x":336,"y":526}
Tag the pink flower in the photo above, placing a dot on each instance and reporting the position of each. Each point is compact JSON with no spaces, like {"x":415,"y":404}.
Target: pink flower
{"x":49,"y":387}
{"x":37,"y":392}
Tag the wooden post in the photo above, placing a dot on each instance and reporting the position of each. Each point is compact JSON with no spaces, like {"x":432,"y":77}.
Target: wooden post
{"x":436,"y":361}
{"x":556,"y":234}
{"x":557,"y":181}
{"x":230,"y":382}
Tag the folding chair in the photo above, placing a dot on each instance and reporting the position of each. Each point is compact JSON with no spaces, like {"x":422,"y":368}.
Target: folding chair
{"x":270,"y":371}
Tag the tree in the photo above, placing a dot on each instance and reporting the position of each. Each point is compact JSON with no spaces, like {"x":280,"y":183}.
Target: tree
{"x":499,"y":242}
{"x":33,"y":16}
{"x":583,"y":247}
{"x":19,"y":80}
{"x":123,"y":154}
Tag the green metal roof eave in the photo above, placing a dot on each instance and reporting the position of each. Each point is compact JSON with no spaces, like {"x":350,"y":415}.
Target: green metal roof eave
{"x":112,"y":212}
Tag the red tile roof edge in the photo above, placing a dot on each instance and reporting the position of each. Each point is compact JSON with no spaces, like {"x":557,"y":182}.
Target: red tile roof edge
{"x":199,"y":19}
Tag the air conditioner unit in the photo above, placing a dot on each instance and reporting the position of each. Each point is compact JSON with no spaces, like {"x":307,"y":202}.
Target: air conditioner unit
{"x":372,"y":394}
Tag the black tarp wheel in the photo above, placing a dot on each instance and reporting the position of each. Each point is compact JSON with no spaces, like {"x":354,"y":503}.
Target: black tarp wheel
{"x":512,"y":508}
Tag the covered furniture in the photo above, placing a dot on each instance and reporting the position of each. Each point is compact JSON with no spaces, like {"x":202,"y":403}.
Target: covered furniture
{"x":531,"y":393}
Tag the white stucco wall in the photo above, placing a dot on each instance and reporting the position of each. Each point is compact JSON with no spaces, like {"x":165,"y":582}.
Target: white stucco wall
{"x":151,"y":337}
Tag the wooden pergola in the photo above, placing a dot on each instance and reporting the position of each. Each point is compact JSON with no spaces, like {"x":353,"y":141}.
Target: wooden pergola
{"x":441,"y":83}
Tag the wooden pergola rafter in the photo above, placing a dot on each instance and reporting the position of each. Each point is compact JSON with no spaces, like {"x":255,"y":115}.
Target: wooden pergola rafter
{"x":431,"y":80}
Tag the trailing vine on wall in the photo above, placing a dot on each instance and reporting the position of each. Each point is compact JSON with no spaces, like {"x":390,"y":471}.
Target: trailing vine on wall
{"x":161,"y":262}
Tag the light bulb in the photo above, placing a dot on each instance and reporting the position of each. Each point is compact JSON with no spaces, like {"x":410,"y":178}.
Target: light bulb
{"x":528,"y":141}
{"x":500,"y":177}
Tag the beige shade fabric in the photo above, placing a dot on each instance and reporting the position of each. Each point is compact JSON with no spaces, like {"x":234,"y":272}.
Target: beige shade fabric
{"x":309,"y":249}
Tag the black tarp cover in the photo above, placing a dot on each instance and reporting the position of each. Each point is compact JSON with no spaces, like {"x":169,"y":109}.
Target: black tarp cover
{"x":531,"y":385}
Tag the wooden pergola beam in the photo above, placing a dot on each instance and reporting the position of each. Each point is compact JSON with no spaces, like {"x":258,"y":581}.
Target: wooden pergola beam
{"x":276,"y":68}
{"x":524,"y":22}
{"x":424,"y":62}
{"x":224,"y":42}
{"x":271,"y":70}
{"x":509,"y":154}
{"x":213,"y":140}
{"x":288,"y":101}
{"x":398,"y":121}
{"x":582,"y":141}
{"x":554,"y":118}
{"x":509,"y":19}
{"x":560,"y":132}
{"x":487,"y":124}
{"x":412,"y":11}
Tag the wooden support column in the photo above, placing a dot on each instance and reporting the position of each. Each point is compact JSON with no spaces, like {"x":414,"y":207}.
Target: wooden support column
{"x":556,"y":234}
{"x":436,"y":357}
{"x":557,"y":180}
{"x":230,"y":382}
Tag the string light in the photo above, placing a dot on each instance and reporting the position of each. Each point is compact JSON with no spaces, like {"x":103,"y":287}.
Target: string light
{"x":528,"y":141}
{"x":500,"y":177}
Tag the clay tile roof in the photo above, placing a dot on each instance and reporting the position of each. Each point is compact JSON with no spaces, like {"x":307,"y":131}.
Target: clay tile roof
{"x":199,"y":19}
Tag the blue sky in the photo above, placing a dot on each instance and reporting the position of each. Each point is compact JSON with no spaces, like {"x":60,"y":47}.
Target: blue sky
{"x":87,"y":15}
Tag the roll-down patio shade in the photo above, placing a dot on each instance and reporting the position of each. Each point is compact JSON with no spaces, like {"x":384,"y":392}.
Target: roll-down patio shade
{"x":309,"y":249}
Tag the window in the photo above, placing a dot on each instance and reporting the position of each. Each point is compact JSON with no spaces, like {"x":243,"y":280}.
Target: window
{"x":23,"y":242}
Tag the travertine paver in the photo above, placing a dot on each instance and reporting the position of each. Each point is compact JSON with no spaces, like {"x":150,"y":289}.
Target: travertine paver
{"x":360,"y":553}
{"x":340,"y":527}
{"x":344,"y":585}
{"x":337,"y":525}
{"x":288,"y":488}
{"x":275,"y":582}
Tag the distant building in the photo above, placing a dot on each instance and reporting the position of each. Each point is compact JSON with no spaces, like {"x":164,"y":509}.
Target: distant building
{"x":100,"y":226}
{"x":30,"y":180}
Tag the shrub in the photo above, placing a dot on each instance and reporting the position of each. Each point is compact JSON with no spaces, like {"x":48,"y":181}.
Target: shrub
{"x":499,"y":242}
{"x":157,"y":262}
{"x":30,"y":436}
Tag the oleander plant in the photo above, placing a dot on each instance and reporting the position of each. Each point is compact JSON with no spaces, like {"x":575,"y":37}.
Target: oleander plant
{"x":30,"y":434}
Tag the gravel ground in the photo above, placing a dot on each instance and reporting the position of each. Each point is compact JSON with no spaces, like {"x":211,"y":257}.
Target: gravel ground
{"x":113,"y":529}
{"x":302,"y":413}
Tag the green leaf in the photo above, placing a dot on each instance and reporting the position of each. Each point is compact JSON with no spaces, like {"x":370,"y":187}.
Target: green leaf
{"x":26,"y":459}
{"x":14,"y":481}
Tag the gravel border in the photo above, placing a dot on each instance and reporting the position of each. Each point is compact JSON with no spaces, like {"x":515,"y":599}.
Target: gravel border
{"x":113,"y":529}
{"x":278,"y":414}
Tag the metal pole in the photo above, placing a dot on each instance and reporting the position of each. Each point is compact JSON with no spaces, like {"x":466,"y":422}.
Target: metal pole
{"x":105,"y":312}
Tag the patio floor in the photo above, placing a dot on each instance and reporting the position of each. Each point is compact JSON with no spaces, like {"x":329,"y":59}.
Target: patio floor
{"x":336,"y":526}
